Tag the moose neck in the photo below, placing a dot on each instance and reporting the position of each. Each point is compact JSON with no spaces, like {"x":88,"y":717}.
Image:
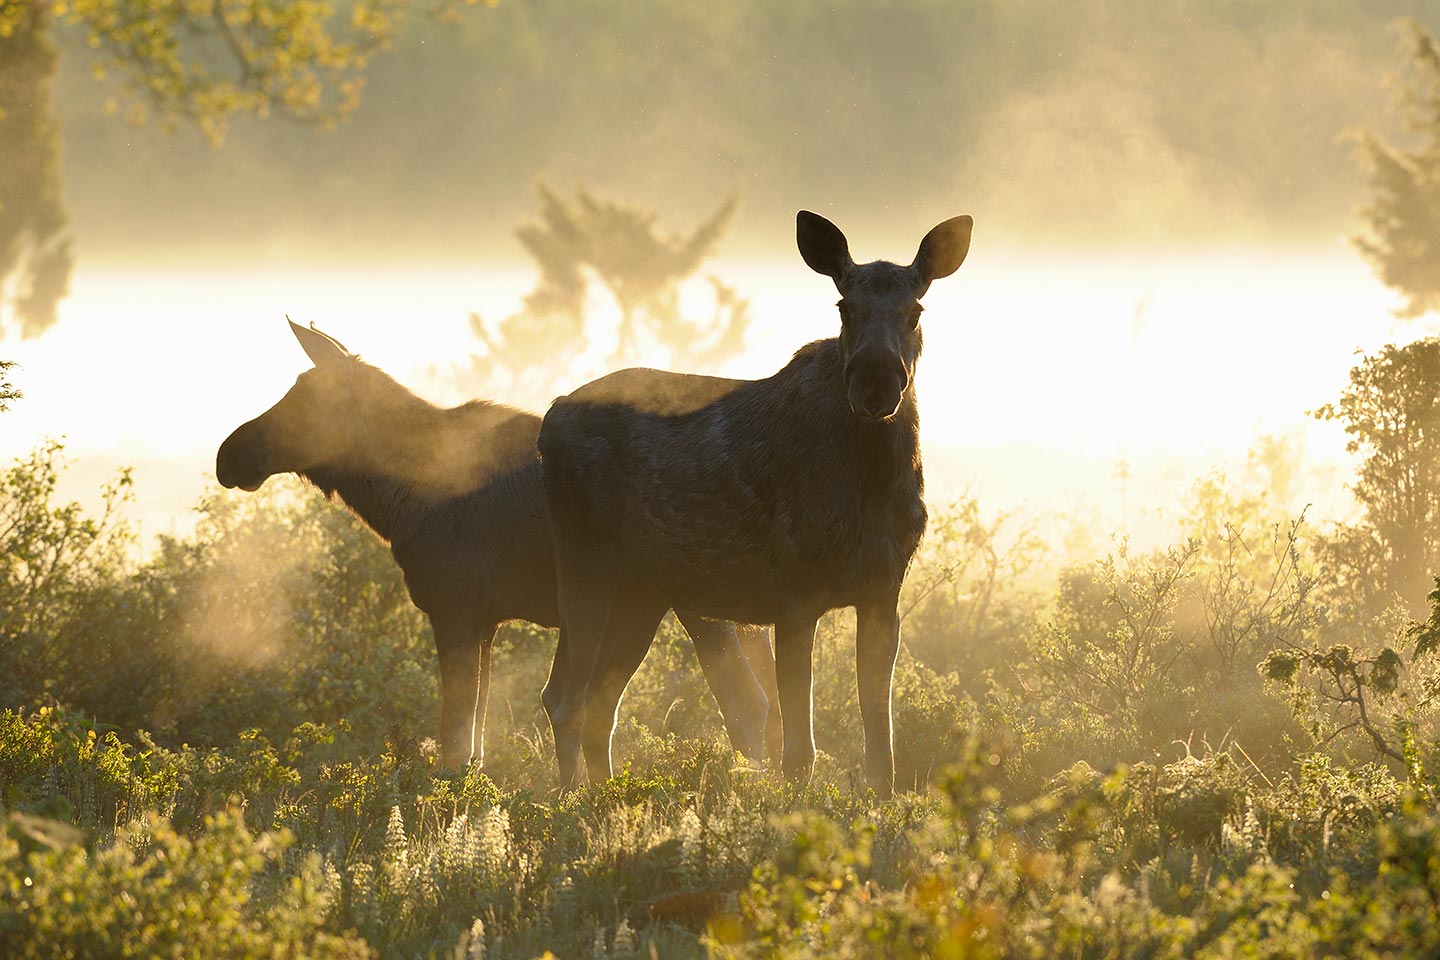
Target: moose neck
{"x":383,"y":480}
{"x":885,"y":453}
{"x":385,"y":503}
{"x":888,"y":452}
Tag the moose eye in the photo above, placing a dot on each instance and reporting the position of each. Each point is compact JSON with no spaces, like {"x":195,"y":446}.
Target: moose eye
{"x":912,"y":316}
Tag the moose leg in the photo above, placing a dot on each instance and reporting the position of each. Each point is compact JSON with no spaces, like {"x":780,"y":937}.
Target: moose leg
{"x":482,"y":699}
{"x":877,"y":640}
{"x":585,"y":601}
{"x":794,"y":642}
{"x":742,"y":700}
{"x":628,"y":636}
{"x":550,"y":696}
{"x":457,"y":643}
{"x":755,"y":641}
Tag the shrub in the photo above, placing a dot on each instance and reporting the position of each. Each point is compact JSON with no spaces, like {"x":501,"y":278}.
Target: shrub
{"x":152,"y":891}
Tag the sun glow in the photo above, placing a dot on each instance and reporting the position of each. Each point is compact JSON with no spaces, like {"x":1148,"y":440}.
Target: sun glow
{"x":1040,"y":376}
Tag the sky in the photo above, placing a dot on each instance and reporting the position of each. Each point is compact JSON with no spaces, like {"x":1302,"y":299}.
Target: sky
{"x":1160,"y":273}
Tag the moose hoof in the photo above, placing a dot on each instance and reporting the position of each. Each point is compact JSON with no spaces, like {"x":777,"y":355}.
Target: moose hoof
{"x":799,"y":768}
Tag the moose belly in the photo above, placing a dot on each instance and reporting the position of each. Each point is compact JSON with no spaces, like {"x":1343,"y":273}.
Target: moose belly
{"x":750,"y":569}
{"x":729,"y":530}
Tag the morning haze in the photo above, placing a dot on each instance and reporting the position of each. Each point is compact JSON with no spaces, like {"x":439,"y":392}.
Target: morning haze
{"x":1127,"y":167}
{"x":1107,"y":125}
{"x":943,"y":478}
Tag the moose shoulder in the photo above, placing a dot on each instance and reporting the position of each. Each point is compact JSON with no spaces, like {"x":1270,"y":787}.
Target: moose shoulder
{"x":767,"y":501}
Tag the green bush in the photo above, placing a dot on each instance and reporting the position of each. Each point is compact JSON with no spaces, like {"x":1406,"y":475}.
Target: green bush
{"x":151,"y":891}
{"x":228,"y":748}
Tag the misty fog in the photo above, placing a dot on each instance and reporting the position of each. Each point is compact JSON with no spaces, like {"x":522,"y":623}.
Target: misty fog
{"x":304,"y":644}
{"x":1162,"y":198}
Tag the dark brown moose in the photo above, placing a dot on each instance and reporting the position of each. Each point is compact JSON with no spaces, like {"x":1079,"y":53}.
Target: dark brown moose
{"x":458,"y":495}
{"x":764,"y":501}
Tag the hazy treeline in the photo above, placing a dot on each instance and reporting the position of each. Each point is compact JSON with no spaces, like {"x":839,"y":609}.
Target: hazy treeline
{"x":1055,"y":124}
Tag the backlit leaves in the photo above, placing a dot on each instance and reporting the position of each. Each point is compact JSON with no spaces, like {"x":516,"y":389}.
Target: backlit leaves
{"x":206,"y":61}
{"x":196,"y":62}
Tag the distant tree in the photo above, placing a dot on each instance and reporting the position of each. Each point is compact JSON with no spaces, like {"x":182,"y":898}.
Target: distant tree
{"x":1402,"y":219}
{"x":200,"y":62}
{"x":35,"y":256}
{"x":622,"y":250}
{"x":1391,"y":412}
{"x":8,"y":391}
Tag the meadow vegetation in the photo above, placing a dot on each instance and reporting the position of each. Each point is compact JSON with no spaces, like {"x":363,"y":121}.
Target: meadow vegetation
{"x":1227,"y":747}
{"x":1223,"y":748}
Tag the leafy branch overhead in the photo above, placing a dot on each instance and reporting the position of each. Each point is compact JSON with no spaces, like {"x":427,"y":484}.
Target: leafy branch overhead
{"x":206,"y":61}
{"x":199,"y":62}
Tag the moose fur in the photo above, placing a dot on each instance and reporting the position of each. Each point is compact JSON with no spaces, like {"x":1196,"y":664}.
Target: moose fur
{"x":767,"y":501}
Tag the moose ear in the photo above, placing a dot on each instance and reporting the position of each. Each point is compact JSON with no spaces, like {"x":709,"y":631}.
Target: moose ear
{"x":943,"y":249}
{"x":322,"y":349}
{"x":822,"y":245}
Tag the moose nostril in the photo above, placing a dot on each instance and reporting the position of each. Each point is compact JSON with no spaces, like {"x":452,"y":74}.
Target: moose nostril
{"x":877,"y":402}
{"x":877,"y":387}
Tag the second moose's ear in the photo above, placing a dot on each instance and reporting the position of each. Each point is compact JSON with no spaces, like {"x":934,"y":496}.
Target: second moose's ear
{"x":822,"y":245}
{"x":322,"y":350}
{"x":943,"y":249}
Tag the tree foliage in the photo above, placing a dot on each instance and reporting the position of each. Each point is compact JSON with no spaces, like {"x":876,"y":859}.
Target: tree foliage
{"x":35,"y":254}
{"x":54,"y":555}
{"x":1391,"y":412}
{"x":585,"y":241}
{"x":1402,"y":218}
{"x":207,"y":61}
{"x":8,"y":391}
{"x":201,"y":62}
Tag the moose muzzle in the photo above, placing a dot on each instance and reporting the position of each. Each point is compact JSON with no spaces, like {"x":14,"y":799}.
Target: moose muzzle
{"x":877,"y":384}
{"x":235,"y":463}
